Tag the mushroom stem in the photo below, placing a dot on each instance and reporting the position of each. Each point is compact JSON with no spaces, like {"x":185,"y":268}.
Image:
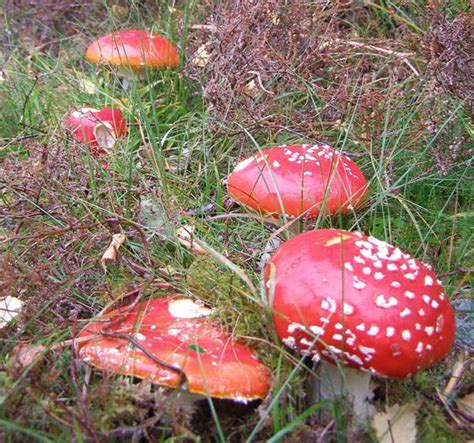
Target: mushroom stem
{"x":331,"y":383}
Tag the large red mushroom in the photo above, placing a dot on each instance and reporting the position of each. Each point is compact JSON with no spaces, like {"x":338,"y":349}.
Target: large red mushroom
{"x":298,"y":180}
{"x":359,"y":302}
{"x":171,"y":342}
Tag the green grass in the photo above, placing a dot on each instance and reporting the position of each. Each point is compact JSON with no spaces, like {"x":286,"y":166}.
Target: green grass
{"x":176,"y":154}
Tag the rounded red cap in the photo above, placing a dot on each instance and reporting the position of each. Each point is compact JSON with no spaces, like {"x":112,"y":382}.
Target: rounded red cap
{"x":133,"y":48}
{"x":298,"y":179}
{"x":360,"y":301}
{"x":99,"y":128}
{"x":176,"y":331}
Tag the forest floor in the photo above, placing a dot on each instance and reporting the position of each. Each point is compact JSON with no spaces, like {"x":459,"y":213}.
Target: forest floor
{"x":390,"y":84}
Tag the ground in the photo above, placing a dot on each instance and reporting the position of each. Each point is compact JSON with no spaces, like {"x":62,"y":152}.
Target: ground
{"x":387,"y":83}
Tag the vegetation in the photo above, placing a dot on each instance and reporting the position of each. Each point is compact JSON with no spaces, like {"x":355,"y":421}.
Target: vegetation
{"x":388,"y":83}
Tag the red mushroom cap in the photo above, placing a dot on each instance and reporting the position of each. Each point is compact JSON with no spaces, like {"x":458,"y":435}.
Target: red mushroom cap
{"x":98,"y":128}
{"x":133,"y":48}
{"x":175,"y":331}
{"x":359,"y":300}
{"x":307,"y":178}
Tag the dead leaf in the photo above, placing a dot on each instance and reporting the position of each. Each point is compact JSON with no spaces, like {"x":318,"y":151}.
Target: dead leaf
{"x":10,"y":307}
{"x":185,"y":236}
{"x":25,"y":356}
{"x":466,"y":404}
{"x":153,"y":216}
{"x":251,"y":89}
{"x":120,"y":12}
{"x":110,"y":254}
{"x":87,"y":86}
{"x":397,"y":424}
{"x":201,"y":57}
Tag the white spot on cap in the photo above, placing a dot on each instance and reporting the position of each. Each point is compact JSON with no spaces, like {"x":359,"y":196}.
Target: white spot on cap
{"x":316,"y":330}
{"x":374,"y":330}
{"x":409,"y":294}
{"x":367,"y":352}
{"x":390,"y":331}
{"x":406,"y":335}
{"x":337,"y":337}
{"x":354,"y":358}
{"x":417,"y":326}
{"x":366,"y":270}
{"x":429,"y":330}
{"x":426,"y":299}
{"x":395,"y":284}
{"x":428,"y":280}
{"x":410,"y":276}
{"x":187,"y":308}
{"x":421,"y":312}
{"x":379,"y":276}
{"x":419,"y":347}
{"x":378,"y":264}
{"x":359,"y":260}
{"x":358,"y":284}
{"x":348,"y":309}
{"x":405,"y":312}
{"x":338,"y":326}
{"x":290,"y":342}
{"x":439,"y":323}
{"x":361,"y":327}
{"x":381,"y":302}
{"x":293,"y":327}
{"x":392,"y":267}
{"x":348,"y":266}
{"x":332,"y":304}
{"x":275,"y":164}
{"x":434,"y":304}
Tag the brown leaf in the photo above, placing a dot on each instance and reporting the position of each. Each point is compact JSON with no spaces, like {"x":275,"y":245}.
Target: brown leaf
{"x":185,"y":236}
{"x":397,"y":424}
{"x":466,"y":404}
{"x":110,"y":254}
{"x":25,"y":356}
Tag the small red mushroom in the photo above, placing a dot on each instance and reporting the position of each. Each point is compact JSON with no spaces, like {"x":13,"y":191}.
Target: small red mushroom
{"x":133,"y":49}
{"x":360,"y":303}
{"x":182,"y":342}
{"x":298,"y":180}
{"x":97,"y":128}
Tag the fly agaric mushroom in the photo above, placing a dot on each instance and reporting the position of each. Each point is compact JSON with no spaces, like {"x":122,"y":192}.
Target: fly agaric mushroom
{"x":360,"y":302}
{"x":296,"y":180}
{"x":177,"y":346}
{"x":97,"y":128}
{"x":133,"y":50}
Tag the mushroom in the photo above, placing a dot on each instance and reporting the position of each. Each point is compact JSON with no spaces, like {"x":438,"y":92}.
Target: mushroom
{"x":97,"y":128}
{"x":358,"y":302}
{"x":298,"y":180}
{"x":170,"y":342}
{"x":132,"y":51}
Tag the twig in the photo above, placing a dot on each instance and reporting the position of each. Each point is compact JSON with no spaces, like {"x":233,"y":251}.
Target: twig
{"x":403,"y":56}
{"x":456,"y":272}
{"x":461,"y":363}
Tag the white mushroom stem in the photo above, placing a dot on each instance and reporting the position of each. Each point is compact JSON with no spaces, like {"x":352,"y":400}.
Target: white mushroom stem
{"x":331,"y":382}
